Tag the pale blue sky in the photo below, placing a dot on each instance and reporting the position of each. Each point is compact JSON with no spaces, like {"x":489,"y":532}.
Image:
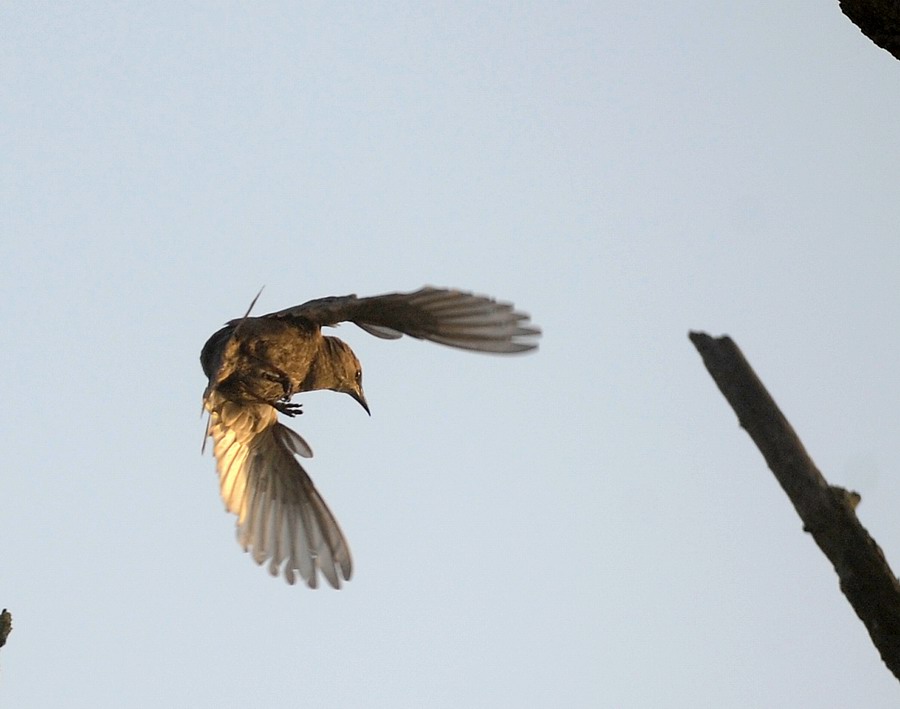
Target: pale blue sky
{"x":583,"y":527}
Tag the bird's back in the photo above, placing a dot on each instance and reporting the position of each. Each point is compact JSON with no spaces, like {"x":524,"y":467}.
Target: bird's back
{"x":260,"y":359}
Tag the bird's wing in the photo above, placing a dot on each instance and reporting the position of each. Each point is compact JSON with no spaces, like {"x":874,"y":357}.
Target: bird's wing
{"x":450,"y":317}
{"x":282,"y":519}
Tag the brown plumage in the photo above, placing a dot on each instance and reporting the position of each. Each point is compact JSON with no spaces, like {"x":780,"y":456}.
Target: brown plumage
{"x":256,"y":364}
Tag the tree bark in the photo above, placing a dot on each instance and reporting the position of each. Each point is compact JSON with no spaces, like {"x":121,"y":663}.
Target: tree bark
{"x":879,"y":20}
{"x":828,"y":512}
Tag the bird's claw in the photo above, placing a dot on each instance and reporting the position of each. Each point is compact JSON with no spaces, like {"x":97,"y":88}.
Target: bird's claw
{"x":279,"y":378}
{"x":288,"y":409}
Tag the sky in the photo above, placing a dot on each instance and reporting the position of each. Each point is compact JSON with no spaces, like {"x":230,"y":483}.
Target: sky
{"x":584,"y":526}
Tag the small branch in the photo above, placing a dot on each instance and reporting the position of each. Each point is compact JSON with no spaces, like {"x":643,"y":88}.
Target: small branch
{"x":827,"y":512}
{"x":879,"y":20}
{"x":5,"y":626}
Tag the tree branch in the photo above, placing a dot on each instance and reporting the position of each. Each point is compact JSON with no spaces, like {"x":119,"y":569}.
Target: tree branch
{"x":827,"y":512}
{"x":879,"y":20}
{"x":5,"y":626}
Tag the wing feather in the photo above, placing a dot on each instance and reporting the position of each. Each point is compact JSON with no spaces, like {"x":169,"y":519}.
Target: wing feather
{"x":282,"y":519}
{"x":450,"y":317}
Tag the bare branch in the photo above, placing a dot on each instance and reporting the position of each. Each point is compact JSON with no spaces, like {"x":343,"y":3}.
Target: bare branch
{"x":5,"y":626}
{"x":827,"y":512}
{"x":879,"y":20}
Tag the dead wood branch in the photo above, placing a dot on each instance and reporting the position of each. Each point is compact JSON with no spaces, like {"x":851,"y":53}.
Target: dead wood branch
{"x":827,"y":511}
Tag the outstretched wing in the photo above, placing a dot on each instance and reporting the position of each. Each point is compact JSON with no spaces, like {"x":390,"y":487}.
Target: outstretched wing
{"x":450,"y":317}
{"x":282,"y":519}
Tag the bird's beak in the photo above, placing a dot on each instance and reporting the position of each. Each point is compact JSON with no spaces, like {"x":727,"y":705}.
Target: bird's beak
{"x":361,"y":398}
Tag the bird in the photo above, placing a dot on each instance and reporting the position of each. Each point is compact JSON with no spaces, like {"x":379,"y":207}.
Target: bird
{"x":255,"y":365}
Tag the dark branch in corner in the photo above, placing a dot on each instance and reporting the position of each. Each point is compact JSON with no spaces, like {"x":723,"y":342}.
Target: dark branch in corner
{"x":5,"y":626}
{"x":879,"y":20}
{"x":827,"y":512}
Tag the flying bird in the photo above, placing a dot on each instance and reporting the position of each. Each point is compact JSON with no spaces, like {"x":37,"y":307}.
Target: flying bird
{"x":256,"y":364}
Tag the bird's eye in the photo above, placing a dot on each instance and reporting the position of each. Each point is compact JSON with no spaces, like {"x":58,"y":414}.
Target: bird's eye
{"x":358,"y":376}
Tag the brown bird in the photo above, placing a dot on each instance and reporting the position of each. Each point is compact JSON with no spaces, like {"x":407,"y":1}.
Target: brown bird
{"x":256,"y":364}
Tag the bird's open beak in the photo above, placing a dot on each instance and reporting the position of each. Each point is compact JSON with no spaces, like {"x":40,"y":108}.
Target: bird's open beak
{"x":361,"y":398}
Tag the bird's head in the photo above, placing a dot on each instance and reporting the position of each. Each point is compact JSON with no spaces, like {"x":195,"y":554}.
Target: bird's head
{"x":346,"y":371}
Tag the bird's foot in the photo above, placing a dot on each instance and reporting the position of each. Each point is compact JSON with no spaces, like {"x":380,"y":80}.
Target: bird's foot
{"x":288,"y":409}
{"x":281,"y":378}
